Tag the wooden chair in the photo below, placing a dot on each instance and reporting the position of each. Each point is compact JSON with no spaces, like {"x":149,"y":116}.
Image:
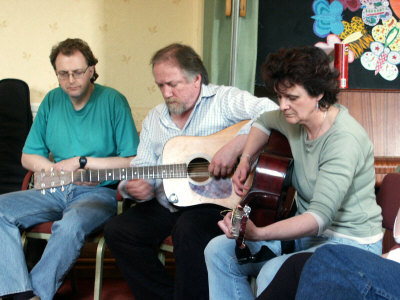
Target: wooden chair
{"x":166,"y":246}
{"x":389,"y":200}
{"x":43,"y":231}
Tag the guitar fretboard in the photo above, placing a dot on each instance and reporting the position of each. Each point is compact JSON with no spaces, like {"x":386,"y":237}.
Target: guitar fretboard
{"x":152,"y":172}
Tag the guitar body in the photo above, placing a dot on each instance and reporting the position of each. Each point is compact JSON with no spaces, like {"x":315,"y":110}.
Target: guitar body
{"x":271,"y":195}
{"x":270,"y":198}
{"x":194,"y":151}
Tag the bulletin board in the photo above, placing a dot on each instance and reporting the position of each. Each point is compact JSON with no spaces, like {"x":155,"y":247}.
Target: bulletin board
{"x":288,"y":23}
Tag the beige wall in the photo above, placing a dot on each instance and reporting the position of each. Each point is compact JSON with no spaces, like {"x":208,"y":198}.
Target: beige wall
{"x":123,"y":35}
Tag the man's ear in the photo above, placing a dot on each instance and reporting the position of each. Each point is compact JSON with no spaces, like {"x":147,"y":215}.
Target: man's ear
{"x":197,"y":80}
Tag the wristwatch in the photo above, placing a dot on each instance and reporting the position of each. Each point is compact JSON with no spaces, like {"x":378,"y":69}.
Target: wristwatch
{"x":82,"y":162}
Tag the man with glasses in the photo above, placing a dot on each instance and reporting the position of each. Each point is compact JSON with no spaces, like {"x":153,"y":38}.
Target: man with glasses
{"x":82,"y":125}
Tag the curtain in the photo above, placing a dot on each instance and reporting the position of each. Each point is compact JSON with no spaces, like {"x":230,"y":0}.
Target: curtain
{"x":217,"y":44}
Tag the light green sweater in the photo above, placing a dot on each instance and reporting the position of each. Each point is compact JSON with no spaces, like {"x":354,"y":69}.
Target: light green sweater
{"x":334,"y":175}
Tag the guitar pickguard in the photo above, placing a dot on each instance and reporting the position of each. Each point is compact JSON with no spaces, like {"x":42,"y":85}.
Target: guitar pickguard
{"x":215,"y":189}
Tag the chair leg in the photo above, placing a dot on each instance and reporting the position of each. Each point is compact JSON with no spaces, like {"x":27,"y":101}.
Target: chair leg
{"x":99,"y":269}
{"x":253,"y":285}
{"x":161,"y":257}
{"x":23,"y":241}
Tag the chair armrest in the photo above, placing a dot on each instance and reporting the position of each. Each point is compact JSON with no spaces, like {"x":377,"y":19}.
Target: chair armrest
{"x":27,"y":180}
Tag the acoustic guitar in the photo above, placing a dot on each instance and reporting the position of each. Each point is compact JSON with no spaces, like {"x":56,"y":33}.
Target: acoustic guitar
{"x":184,"y":172}
{"x":271,"y":196}
{"x":185,"y":175}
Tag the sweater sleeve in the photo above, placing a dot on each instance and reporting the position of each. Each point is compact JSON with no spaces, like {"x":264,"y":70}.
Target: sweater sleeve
{"x":341,"y":159}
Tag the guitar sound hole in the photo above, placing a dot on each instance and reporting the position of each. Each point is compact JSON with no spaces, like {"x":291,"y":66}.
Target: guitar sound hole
{"x":198,"y":169}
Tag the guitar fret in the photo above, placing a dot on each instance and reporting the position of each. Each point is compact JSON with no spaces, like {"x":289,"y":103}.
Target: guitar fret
{"x":162,"y":172}
{"x":182,"y":172}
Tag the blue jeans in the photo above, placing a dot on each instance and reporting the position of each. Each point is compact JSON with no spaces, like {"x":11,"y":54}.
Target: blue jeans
{"x":229,"y":280}
{"x":77,"y":212}
{"x":343,"y":272}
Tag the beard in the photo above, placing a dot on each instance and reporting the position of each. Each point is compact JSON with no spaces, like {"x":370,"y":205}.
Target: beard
{"x":175,"y":107}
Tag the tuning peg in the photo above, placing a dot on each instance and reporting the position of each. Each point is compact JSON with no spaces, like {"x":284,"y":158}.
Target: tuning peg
{"x":43,"y":191}
{"x":62,"y":180}
{"x":42,"y":173}
{"x":52,"y":190}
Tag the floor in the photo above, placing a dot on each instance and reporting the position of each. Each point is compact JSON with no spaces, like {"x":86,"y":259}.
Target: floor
{"x":113,"y":289}
{"x":114,"y":286}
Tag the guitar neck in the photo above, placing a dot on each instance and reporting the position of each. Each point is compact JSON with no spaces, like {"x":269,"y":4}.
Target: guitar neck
{"x":152,"y":172}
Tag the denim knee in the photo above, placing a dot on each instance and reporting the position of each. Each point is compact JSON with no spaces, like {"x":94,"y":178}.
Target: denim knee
{"x":212,"y":250}
{"x":70,"y":231}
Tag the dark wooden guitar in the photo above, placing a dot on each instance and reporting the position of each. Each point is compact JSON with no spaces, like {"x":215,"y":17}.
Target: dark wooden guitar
{"x":271,"y":196}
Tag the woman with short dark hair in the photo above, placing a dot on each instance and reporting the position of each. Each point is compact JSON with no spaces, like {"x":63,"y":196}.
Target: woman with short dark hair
{"x":333,"y":174}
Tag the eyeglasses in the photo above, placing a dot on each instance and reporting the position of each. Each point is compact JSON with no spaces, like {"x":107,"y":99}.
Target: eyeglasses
{"x":76,"y":74}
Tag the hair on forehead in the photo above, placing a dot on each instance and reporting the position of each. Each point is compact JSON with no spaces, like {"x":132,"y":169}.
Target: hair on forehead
{"x":305,"y":66}
{"x":185,"y":58}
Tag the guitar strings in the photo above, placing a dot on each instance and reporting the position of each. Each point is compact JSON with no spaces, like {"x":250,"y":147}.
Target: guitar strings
{"x":201,"y":169}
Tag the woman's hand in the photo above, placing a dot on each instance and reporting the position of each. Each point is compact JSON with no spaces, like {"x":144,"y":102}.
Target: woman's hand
{"x":226,"y":225}
{"x":251,"y":233}
{"x":240,"y":176}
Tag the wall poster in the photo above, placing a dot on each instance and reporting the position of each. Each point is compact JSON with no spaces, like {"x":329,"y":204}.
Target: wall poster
{"x":370,"y":27}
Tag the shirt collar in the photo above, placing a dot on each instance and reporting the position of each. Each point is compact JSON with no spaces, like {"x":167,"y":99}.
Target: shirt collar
{"x":207,"y":91}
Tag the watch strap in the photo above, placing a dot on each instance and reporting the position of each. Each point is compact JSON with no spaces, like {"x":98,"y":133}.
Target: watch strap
{"x":82,"y":162}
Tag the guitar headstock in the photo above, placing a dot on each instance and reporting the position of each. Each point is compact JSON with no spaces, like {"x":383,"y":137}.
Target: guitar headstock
{"x":240,"y":215}
{"x":51,"y":179}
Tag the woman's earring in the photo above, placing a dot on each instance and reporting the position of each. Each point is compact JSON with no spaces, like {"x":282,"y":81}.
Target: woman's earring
{"x":318,"y":106}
